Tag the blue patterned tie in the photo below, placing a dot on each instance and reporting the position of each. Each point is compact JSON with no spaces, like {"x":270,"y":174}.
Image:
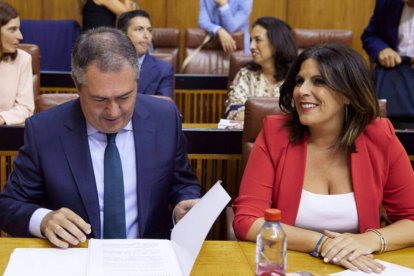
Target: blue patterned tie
{"x":114,"y":199}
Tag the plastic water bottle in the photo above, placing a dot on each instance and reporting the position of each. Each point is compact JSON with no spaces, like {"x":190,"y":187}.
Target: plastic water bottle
{"x":271,"y":246}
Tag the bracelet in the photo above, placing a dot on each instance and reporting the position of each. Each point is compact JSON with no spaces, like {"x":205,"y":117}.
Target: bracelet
{"x":382,"y":239}
{"x":322,"y":240}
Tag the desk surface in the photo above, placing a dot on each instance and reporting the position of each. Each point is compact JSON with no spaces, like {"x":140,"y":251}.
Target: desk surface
{"x":225,"y":257}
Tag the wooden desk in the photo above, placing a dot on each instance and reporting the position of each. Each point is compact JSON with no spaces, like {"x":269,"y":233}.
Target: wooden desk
{"x":215,"y":258}
{"x":298,"y":261}
{"x":226,"y":257}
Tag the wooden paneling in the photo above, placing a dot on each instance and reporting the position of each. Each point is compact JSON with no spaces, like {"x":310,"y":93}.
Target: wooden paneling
{"x":182,"y":14}
{"x":276,"y":8}
{"x":158,"y":11}
{"x":32,"y":9}
{"x":332,"y":14}
{"x":63,"y":9}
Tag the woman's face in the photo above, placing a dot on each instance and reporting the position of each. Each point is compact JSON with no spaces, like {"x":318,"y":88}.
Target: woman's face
{"x":11,"y":35}
{"x":262,"y":50}
{"x":315,"y":102}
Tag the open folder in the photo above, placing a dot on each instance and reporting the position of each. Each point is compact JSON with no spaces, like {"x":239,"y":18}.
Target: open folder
{"x":135,"y":256}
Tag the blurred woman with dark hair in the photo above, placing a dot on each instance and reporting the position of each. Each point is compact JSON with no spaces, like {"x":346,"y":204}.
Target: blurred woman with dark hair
{"x":273,"y":50}
{"x":16,"y":76}
{"x":329,"y":164}
{"x":99,"y":13}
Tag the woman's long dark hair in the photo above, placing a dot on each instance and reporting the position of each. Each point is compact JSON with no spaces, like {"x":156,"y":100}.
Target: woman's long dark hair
{"x":7,"y":13}
{"x":281,"y":38}
{"x":344,"y":72}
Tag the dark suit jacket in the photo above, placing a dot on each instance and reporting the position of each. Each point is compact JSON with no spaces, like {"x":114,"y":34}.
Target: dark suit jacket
{"x":54,"y":169}
{"x":382,"y":30}
{"x":156,"y":77}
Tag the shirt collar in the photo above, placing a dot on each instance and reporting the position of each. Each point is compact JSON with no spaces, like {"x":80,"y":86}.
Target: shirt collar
{"x":92,"y":131}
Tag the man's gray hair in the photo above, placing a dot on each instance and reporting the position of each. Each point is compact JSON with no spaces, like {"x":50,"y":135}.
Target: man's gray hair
{"x":107,"y":48}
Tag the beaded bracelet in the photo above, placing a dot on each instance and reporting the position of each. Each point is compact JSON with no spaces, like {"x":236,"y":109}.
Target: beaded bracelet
{"x":322,"y":240}
{"x":382,"y":239}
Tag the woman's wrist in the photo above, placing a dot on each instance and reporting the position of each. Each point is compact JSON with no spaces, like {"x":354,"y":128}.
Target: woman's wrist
{"x":377,"y":242}
{"x":318,"y":247}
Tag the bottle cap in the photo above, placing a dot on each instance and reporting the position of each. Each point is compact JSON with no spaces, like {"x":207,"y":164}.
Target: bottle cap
{"x":272,"y":214}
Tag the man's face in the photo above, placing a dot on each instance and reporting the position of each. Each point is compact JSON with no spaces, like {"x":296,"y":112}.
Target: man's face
{"x":108,"y":98}
{"x":140,"y":33}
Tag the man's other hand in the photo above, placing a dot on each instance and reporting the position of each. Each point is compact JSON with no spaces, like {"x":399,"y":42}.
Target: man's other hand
{"x":221,"y":2}
{"x":63,"y":227}
{"x":389,"y":58}
{"x":183,"y":207}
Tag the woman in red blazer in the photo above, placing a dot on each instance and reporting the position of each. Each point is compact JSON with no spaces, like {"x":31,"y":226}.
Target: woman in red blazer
{"x":329,"y":164}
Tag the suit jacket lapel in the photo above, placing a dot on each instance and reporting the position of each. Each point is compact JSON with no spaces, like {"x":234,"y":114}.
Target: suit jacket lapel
{"x":148,"y":73}
{"x":76,"y":149}
{"x":144,"y":138}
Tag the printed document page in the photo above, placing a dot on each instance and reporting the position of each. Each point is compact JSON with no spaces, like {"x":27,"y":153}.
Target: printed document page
{"x":160,"y":257}
{"x":47,"y":262}
{"x":390,"y":270}
{"x":131,"y":257}
{"x":190,"y":232}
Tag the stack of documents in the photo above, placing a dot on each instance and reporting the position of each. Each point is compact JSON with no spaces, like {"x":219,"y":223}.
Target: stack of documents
{"x":173,"y":257}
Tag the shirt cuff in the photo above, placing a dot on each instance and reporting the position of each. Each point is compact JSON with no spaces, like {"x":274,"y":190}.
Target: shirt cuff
{"x":36,"y":220}
{"x":216,"y":29}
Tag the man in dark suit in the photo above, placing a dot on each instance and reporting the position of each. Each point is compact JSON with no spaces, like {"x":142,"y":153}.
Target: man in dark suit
{"x":385,"y":32}
{"x":157,"y":76}
{"x":388,"y":40}
{"x":58,"y":188}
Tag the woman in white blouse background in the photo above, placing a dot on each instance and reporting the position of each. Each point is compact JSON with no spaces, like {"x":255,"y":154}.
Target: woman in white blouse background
{"x":273,"y":50}
{"x":16,"y":76}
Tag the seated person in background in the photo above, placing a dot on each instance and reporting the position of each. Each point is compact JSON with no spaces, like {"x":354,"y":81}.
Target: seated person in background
{"x":16,"y":76}
{"x":221,"y":17}
{"x":156,"y":76}
{"x":100,"y":13}
{"x":389,"y":33}
{"x":273,"y":50}
{"x":329,"y":164}
{"x":111,"y":164}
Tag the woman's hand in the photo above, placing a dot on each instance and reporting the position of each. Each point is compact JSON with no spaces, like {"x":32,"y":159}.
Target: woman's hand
{"x":365,"y":263}
{"x":349,"y":246}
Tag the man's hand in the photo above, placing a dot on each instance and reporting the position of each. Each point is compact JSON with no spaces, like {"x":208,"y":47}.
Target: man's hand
{"x":183,"y":207}
{"x":227,"y":42}
{"x":389,"y":58}
{"x":221,"y":2}
{"x":63,"y":227}
{"x":2,"y":122}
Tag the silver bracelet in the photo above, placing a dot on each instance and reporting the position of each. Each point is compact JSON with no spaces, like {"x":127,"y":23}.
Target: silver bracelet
{"x":382,"y":239}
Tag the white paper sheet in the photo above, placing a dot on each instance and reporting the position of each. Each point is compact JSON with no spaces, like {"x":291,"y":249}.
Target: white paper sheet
{"x":132,"y":257}
{"x":190,"y":232}
{"x":47,"y":262}
{"x":390,"y":270}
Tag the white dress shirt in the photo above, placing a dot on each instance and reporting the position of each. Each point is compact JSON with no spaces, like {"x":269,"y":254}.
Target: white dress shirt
{"x":97,"y":144}
{"x":406,"y":32}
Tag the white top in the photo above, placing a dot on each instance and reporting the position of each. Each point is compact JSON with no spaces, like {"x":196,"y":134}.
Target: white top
{"x":246,"y":84}
{"x":406,"y":32}
{"x":328,"y":212}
